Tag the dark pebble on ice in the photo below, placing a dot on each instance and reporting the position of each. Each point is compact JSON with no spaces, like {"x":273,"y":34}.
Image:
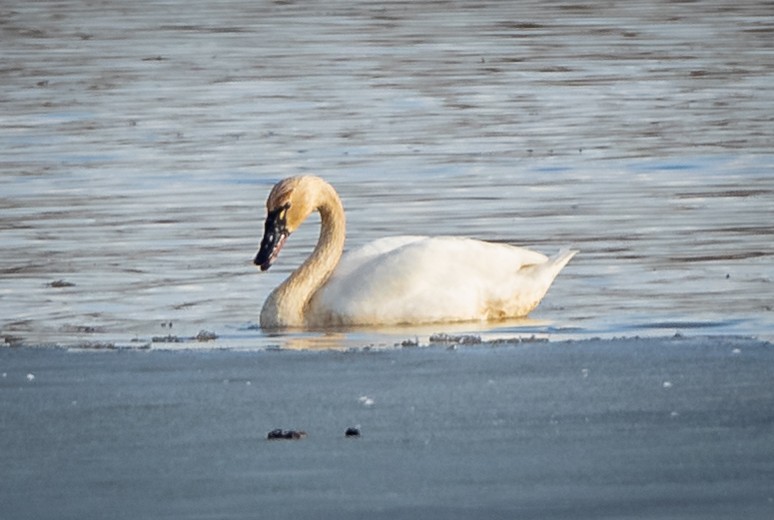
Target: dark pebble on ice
{"x":205,"y":335}
{"x":352,"y":432}
{"x":13,"y":341}
{"x":167,"y":339}
{"x":279,"y":433}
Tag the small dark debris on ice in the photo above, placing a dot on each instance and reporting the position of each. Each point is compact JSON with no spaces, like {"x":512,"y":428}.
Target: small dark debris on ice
{"x":280,"y":434}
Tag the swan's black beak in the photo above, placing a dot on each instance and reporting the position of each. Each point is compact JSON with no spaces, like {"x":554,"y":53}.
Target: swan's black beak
{"x":274,"y":235}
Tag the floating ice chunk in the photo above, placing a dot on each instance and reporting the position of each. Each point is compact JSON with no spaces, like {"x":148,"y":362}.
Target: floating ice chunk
{"x":736,"y":351}
{"x":30,"y":377}
{"x":365,"y":400}
{"x":667,"y":384}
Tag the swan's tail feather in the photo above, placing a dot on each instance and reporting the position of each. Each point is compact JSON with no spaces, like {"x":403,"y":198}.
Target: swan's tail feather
{"x":545,"y":273}
{"x":561,"y":258}
{"x":536,"y":280}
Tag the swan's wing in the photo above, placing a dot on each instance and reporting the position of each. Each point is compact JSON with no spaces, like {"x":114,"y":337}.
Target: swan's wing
{"x":429,"y":279}
{"x":353,"y":260}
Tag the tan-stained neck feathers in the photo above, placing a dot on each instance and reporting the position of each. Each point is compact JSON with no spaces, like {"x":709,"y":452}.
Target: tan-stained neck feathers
{"x":286,"y":305}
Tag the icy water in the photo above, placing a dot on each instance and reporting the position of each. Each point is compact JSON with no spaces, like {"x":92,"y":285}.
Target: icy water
{"x":138,"y":141}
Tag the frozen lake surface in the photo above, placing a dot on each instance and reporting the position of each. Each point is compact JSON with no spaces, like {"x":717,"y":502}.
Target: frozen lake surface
{"x":652,"y":429}
{"x":138,"y":141}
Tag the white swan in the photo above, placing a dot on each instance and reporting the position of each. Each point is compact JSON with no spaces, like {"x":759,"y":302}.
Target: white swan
{"x":392,"y":281}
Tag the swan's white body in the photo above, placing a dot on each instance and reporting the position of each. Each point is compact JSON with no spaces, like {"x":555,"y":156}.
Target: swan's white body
{"x":409,"y":280}
{"x":399,"y":280}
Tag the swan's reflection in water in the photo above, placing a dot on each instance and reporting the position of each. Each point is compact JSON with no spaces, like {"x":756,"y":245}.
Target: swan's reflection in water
{"x":364,"y":338}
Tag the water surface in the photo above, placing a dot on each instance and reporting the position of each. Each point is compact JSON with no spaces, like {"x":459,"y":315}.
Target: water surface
{"x":139,"y":141}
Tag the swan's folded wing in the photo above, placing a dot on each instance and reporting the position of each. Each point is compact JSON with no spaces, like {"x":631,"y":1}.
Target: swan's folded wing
{"x":355,"y":259}
{"x":422,"y":279}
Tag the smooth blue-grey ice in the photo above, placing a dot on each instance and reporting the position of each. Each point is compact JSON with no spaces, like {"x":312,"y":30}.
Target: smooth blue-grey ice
{"x":653,"y":429}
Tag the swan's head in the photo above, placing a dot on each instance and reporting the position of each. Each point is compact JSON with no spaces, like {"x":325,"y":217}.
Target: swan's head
{"x":288,"y":205}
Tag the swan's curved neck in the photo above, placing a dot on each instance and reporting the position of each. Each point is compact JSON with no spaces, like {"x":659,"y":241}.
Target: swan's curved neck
{"x":286,"y":304}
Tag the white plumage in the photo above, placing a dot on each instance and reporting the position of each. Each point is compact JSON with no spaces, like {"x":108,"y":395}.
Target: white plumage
{"x":410,"y":280}
{"x":395,"y":280}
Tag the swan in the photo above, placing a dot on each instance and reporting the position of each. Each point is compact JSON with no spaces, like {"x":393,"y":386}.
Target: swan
{"x":402,"y":280}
